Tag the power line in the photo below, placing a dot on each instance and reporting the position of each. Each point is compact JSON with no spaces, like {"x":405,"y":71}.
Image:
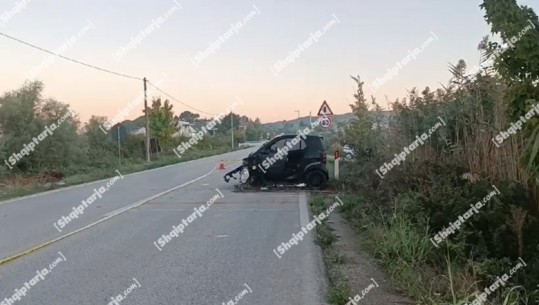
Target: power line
{"x":175,"y":99}
{"x":70,"y":59}
{"x":101,"y":69}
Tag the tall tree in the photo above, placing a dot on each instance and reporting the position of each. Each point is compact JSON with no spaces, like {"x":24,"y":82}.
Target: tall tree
{"x":162,"y":121}
{"x":189,"y":116}
{"x":101,"y":150}
{"x":26,"y":117}
{"x":255,"y":131}
{"x":516,"y":59}
{"x":225,"y":126}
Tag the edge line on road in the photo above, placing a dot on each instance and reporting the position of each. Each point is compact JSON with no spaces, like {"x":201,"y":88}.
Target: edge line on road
{"x":101,"y":180}
{"x":303,"y":209}
{"x":130,"y":207}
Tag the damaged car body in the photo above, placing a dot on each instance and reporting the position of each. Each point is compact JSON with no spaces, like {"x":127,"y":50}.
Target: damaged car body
{"x":286,"y":159}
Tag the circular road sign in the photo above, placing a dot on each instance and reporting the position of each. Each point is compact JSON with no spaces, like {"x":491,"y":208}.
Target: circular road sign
{"x":325,"y":122}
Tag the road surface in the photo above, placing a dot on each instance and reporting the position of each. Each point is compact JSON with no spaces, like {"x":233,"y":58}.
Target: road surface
{"x":224,"y":255}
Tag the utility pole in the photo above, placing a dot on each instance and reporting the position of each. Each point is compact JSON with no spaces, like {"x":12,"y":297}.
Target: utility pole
{"x":232,"y":128}
{"x":147,"y":123}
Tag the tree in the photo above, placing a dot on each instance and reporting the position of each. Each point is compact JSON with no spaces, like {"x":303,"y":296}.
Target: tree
{"x":188,"y":116}
{"x":255,"y":131}
{"x":26,"y":117}
{"x":517,"y":62}
{"x":361,"y":134}
{"x":161,"y":119}
{"x":101,"y":150}
{"x":225,"y":126}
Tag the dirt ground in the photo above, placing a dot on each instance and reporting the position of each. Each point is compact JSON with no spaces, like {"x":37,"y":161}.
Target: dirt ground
{"x":361,"y":269}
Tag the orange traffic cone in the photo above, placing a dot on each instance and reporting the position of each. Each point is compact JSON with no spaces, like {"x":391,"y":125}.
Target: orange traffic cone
{"x":222,"y":165}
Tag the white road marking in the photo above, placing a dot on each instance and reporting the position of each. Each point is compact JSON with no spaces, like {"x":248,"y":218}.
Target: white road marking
{"x":120,"y":210}
{"x":105,"y":179}
{"x":112,"y":214}
{"x":225,"y":210}
{"x":303,"y":209}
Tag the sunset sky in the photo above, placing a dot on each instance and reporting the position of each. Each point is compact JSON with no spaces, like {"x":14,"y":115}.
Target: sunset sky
{"x":358,"y":37}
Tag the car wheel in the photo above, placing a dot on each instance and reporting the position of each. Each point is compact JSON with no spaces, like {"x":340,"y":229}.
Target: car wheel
{"x":348,"y":157}
{"x":316,"y":179}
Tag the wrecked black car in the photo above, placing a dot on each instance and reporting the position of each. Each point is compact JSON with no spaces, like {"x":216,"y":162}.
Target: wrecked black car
{"x":286,"y":159}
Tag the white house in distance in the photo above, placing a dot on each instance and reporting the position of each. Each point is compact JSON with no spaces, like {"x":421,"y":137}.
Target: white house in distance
{"x":183,"y":128}
{"x":140,"y":131}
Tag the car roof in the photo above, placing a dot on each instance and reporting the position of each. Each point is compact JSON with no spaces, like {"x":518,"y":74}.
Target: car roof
{"x":295,"y":135}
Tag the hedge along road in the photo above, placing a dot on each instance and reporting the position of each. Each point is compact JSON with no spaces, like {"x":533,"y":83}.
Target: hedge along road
{"x":28,"y":222}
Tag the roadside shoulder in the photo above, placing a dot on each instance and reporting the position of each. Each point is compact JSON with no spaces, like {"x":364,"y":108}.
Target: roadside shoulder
{"x":353,"y":275}
{"x":360,"y":268}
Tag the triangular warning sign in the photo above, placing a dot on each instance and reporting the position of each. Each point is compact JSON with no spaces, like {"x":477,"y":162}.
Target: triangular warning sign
{"x":324,"y":109}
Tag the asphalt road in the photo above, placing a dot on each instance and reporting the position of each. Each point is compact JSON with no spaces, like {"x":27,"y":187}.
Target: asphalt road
{"x":224,"y":255}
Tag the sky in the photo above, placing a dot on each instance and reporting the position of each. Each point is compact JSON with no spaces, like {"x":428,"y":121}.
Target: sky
{"x":277,"y":57}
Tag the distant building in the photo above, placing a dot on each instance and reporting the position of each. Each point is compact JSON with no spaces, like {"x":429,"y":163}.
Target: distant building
{"x":184,"y":129}
{"x":139,"y":131}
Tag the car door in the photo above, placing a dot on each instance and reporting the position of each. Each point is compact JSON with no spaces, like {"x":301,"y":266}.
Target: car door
{"x":296,"y":158}
{"x":275,"y":161}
